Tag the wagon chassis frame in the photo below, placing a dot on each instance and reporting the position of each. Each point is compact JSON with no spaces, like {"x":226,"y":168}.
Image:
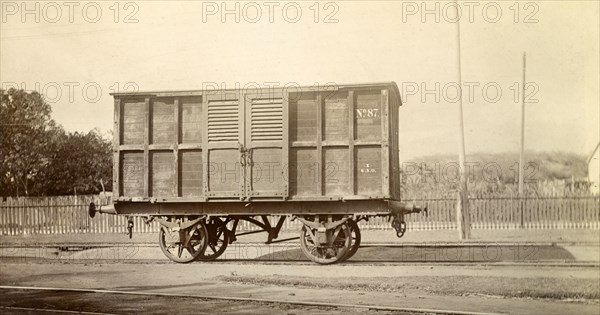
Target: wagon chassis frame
{"x":266,"y":225}
{"x":326,"y":234}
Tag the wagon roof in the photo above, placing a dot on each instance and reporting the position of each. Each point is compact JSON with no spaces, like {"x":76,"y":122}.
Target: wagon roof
{"x":391,"y":84}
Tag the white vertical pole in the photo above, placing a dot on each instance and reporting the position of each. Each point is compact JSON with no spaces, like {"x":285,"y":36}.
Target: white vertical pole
{"x":521,"y":151}
{"x":462,"y":207}
{"x":521,"y":157}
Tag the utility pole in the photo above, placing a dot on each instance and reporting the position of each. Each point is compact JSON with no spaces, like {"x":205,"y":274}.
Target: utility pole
{"x":521,"y":151}
{"x":462,"y":206}
{"x":521,"y":157}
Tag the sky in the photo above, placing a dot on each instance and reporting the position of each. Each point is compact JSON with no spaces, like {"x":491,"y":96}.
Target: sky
{"x":77,"y":54}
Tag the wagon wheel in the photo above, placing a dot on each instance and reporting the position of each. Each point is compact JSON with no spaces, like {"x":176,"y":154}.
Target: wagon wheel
{"x":327,"y":253}
{"x":185,"y":245}
{"x":355,"y":240}
{"x":218,"y":239}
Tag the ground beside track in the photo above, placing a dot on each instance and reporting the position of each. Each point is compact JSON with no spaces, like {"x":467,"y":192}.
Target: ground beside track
{"x":433,"y":284}
{"x":414,"y":286}
{"x":23,"y":301}
{"x":563,"y":289}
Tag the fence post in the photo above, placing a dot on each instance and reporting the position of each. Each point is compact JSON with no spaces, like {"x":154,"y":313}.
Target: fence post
{"x":521,"y":209}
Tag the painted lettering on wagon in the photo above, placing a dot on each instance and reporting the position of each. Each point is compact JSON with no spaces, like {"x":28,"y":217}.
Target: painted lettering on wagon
{"x":367,"y":112}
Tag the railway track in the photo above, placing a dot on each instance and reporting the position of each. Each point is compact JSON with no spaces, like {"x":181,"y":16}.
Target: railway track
{"x":259,"y":253}
{"x":307,"y":263}
{"x":363,"y":244}
{"x":19,"y":309}
{"x":300,"y":304}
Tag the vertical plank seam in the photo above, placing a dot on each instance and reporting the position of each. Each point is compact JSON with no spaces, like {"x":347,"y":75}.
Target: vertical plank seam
{"x":320,"y":158}
{"x":177,"y":136}
{"x":116,"y":143}
{"x":385,"y":159}
{"x":351,"y":135}
{"x":147,"y":130}
{"x":285,"y":145}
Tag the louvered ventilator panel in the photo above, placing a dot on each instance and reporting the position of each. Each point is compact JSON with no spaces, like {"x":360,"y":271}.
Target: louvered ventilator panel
{"x":267,"y":119}
{"x":223,"y":121}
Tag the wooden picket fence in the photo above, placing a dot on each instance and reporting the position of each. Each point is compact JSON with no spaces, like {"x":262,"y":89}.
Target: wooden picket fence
{"x":68,"y":214}
{"x":506,"y":213}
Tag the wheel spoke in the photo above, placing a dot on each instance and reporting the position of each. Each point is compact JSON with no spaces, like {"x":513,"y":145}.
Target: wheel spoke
{"x":185,"y":245}
{"x":218,"y":239}
{"x":212,"y":247}
{"x":354,"y":244}
{"x":334,"y":251}
{"x":315,"y":252}
{"x":311,"y":235}
{"x":179,"y":250}
{"x":336,"y":232}
{"x":190,"y":250}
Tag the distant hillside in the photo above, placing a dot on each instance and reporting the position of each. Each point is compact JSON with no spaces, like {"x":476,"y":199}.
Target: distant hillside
{"x":540,"y":166}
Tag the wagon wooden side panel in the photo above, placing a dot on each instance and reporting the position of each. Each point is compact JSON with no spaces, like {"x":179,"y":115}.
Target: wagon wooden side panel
{"x":200,"y":162}
{"x":306,"y":145}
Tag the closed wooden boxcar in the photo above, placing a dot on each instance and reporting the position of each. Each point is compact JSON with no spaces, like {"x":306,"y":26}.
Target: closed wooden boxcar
{"x":236,"y":154}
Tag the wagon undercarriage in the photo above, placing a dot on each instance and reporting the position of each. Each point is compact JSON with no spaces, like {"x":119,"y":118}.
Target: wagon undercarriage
{"x":325,"y":238}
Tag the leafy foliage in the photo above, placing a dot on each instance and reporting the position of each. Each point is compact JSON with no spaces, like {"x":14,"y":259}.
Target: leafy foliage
{"x":37,"y":157}
{"x":78,"y":162}
{"x":545,"y":173}
{"x":24,"y":118}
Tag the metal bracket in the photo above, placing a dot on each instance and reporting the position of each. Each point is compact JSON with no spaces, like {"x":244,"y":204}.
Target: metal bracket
{"x":397,"y":207}
{"x":130,"y":226}
{"x":179,"y":225}
{"x":148,"y":220}
{"x":273,"y":231}
{"x":327,"y":225}
{"x":399,"y":225}
{"x":108,"y":209}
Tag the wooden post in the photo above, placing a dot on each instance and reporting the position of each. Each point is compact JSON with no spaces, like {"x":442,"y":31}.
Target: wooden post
{"x":462,"y":206}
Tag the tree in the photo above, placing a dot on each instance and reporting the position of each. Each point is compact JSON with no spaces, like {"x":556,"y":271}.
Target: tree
{"x":24,"y":122}
{"x":78,"y":162}
{"x":37,"y":156}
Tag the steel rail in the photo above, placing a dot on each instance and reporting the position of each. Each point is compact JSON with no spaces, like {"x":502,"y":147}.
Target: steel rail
{"x":260,"y":300}
{"x":266,"y":261}
{"x":363,"y":244}
{"x":52,"y":310}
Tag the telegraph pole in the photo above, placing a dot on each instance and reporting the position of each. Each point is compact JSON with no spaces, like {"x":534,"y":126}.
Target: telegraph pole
{"x":462,"y":206}
{"x":521,"y":157}
{"x":521,"y":151}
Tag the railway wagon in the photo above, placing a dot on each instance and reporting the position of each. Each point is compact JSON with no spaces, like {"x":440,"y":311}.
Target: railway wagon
{"x":199,"y":162}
